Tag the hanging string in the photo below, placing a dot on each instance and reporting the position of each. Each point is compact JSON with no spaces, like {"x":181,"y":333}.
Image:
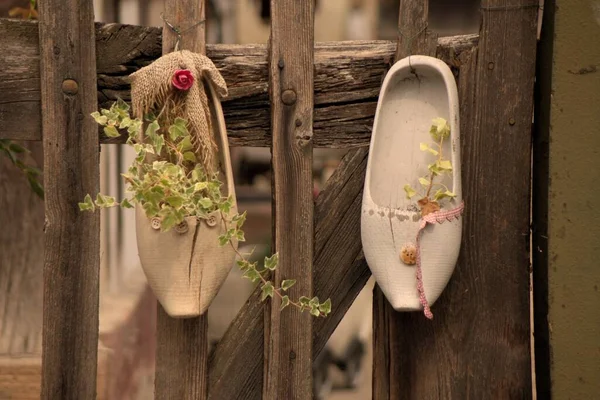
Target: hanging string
{"x":408,"y":40}
{"x":177,"y":30}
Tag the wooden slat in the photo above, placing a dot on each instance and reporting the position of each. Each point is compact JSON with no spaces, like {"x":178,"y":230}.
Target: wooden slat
{"x":182,"y":344}
{"x":71,"y":162}
{"x":339,"y":272}
{"x":477,"y":346}
{"x":347,"y":78}
{"x":288,"y":334}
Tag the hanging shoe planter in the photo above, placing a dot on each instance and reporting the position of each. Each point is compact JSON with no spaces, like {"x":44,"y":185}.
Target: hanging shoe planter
{"x":186,"y":265}
{"x":411,"y":223}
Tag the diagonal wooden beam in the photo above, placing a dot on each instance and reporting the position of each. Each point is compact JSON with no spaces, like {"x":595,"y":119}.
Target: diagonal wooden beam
{"x":346,"y":80}
{"x":339,"y":272}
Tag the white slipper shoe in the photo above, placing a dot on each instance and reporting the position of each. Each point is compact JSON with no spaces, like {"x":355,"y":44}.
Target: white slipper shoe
{"x":412,"y":257}
{"x":186,"y":266}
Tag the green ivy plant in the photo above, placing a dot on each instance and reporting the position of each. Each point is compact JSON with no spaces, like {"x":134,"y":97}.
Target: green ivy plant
{"x":14,"y":152}
{"x":175,"y":186}
{"x":428,"y":202}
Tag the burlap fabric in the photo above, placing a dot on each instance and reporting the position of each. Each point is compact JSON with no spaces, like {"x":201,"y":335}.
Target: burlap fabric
{"x":152,"y":91}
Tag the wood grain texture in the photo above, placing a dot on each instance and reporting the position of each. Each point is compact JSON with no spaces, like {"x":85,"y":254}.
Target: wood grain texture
{"x":339,"y":272}
{"x":71,"y":162}
{"x":288,"y":334}
{"x":347,"y":80}
{"x":182,"y":344}
{"x":477,"y":346}
{"x":21,"y":258}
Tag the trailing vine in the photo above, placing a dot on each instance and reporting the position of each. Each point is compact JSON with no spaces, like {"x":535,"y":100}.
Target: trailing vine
{"x":175,"y":186}
{"x":439,"y":131}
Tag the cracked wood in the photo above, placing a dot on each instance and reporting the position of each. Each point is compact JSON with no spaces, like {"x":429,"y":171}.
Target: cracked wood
{"x":347,"y":79}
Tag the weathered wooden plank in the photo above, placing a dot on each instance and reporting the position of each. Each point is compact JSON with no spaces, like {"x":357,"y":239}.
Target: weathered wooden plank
{"x":182,"y":344}
{"x":72,"y":239}
{"x":339,"y":272}
{"x":288,"y":334}
{"x":389,"y":381}
{"x":477,"y":346}
{"x":347,"y":80}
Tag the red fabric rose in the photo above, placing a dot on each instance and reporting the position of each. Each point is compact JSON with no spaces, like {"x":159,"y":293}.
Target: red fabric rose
{"x":183,"y":79}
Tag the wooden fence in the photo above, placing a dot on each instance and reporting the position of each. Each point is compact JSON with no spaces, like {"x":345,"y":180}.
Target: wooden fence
{"x":292,"y":96}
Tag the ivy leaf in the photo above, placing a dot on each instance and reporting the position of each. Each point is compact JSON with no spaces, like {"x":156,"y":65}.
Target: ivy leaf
{"x":152,"y":128}
{"x":99,"y":118}
{"x":205,"y":202}
{"x":285,"y":301}
{"x":252,"y":274}
{"x":239,"y":235}
{"x":184,"y":145}
{"x":439,"y":129}
{"x":314,"y":310}
{"x":445,"y":165}
{"x":304,"y":302}
{"x":189,"y":156}
{"x":287,"y":283}
{"x":424,"y":181}
{"x":126,"y":204}
{"x":267,"y":291}
{"x":88,"y":204}
{"x":271,"y":262}
{"x":410,"y":192}
{"x":169,"y":221}
{"x":239,"y":219}
{"x":325,"y":307}
{"x":125,"y":123}
{"x":434,"y":168}
{"x":175,"y":201}
{"x":111,"y":131}
{"x":426,"y":147}
{"x":223,"y":240}
{"x":15,"y":148}
{"x":314,"y":301}
{"x":159,"y":142}
{"x":178,"y":129}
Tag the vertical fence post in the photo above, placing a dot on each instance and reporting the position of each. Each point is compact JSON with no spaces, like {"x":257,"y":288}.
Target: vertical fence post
{"x":71,"y":165}
{"x":288,"y":334}
{"x":477,"y":345}
{"x":182,"y":344}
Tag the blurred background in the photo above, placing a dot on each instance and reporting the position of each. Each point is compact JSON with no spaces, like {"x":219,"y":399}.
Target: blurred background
{"x":344,"y":369}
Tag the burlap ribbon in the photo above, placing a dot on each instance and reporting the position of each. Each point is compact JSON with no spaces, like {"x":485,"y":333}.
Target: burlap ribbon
{"x":152,"y":91}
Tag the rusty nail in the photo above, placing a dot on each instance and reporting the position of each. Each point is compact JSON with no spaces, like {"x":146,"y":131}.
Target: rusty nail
{"x":281,"y":64}
{"x":69,"y":86}
{"x":511,"y":121}
{"x":491,"y":65}
{"x":288,"y":97}
{"x":298,"y":122}
{"x":292,"y":355}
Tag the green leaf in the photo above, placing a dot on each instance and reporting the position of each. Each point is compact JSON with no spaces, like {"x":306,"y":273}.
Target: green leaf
{"x":239,"y":235}
{"x":105,"y":201}
{"x":304,"y":301}
{"x":439,"y":129}
{"x":178,"y":129}
{"x":267,"y":291}
{"x":169,"y":221}
{"x":440,"y":194}
{"x":205,"y":202}
{"x":111,"y":131}
{"x":410,"y":192}
{"x":287,"y":283}
{"x":200,"y":186}
{"x":239,"y":219}
{"x":325,"y":307}
{"x":184,"y":145}
{"x":152,"y":128}
{"x":424,"y":181}
{"x":223,"y":240}
{"x":434,"y":168}
{"x":99,"y":118}
{"x":285,"y":301}
{"x":158,"y":142}
{"x":175,"y":201}
{"x":314,"y":301}
{"x":252,"y":274}
{"x":126,"y":204}
{"x":15,"y":148}
{"x":445,"y":165}
{"x":271,"y":262}
{"x":125,"y":123}
{"x":88,"y":204}
{"x":426,"y":147}
{"x":314,"y":311}
{"x":189,"y":156}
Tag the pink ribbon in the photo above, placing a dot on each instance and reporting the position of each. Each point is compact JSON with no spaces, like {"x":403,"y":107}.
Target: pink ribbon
{"x":437,"y":217}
